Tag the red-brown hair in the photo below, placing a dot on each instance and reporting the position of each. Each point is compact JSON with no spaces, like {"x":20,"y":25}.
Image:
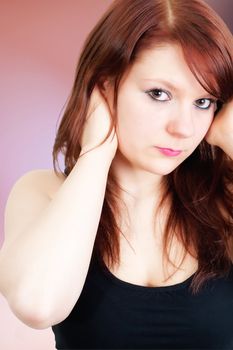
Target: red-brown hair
{"x":201,"y":209}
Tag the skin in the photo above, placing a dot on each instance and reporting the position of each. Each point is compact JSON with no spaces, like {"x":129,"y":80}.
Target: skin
{"x":221,"y":130}
{"x":177,"y":121}
{"x":181,"y":119}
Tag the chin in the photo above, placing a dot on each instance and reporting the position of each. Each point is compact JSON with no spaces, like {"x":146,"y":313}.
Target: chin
{"x":160,"y":171}
{"x":161,"y":168}
{"x":164,"y":172}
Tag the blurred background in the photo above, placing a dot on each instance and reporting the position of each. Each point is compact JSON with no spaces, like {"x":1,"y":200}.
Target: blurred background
{"x":40,"y":45}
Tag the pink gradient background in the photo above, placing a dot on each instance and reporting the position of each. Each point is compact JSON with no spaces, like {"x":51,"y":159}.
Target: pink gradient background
{"x":40,"y":44}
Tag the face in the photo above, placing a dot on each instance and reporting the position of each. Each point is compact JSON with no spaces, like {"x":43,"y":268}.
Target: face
{"x":163,"y":113}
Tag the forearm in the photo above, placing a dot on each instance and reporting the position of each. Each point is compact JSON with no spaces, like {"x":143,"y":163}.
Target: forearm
{"x":47,"y":265}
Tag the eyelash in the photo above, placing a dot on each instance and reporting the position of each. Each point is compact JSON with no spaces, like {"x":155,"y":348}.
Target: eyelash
{"x":150,"y":92}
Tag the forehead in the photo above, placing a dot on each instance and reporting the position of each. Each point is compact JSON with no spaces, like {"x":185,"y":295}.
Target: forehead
{"x":165,"y":63}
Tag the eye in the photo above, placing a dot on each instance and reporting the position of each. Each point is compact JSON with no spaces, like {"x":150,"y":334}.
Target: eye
{"x":204,"y":103}
{"x":159,"y":95}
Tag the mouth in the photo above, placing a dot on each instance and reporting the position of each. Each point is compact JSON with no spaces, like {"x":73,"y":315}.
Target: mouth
{"x":169,"y":151}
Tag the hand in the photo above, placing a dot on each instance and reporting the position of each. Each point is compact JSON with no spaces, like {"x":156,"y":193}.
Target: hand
{"x":220,"y":132}
{"x":97,"y":125}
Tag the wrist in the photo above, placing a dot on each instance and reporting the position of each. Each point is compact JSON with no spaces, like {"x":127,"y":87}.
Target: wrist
{"x":101,"y":152}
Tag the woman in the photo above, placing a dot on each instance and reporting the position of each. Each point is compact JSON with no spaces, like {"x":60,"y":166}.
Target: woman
{"x":133,"y":248}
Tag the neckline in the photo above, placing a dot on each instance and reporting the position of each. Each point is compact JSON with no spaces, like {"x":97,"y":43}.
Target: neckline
{"x":129,"y":285}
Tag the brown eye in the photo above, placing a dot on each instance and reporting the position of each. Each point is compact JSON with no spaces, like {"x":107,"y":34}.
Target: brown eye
{"x":159,"y":95}
{"x":204,"y":103}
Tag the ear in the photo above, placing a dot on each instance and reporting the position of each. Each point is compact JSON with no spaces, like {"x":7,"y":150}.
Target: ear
{"x":106,"y":85}
{"x":108,"y":92}
{"x":102,"y":83}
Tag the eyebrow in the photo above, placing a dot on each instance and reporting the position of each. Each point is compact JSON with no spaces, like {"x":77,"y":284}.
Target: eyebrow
{"x":173,"y":87}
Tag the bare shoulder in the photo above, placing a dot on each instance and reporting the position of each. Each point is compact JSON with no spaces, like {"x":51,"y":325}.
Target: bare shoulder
{"x":29,"y":196}
{"x":44,"y":180}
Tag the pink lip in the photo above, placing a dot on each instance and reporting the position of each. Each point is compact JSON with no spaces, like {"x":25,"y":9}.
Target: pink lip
{"x":168,"y":151}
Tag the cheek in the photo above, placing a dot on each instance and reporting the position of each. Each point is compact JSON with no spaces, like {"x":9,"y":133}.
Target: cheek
{"x":135,"y":128}
{"x":129,"y":128}
{"x":136,"y":118}
{"x":131,"y":120}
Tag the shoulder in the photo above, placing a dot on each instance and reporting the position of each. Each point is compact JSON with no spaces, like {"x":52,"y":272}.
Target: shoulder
{"x":44,"y":180}
{"x":28,"y":197}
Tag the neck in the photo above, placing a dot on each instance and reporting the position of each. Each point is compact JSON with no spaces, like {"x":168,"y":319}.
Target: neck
{"x":137,"y":185}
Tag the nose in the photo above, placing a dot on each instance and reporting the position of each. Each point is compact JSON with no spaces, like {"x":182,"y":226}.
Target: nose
{"x":181,"y":123}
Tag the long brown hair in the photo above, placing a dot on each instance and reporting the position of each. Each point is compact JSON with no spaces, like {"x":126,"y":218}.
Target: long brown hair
{"x":201,"y":209}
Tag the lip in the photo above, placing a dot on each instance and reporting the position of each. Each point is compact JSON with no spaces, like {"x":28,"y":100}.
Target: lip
{"x":169,"y":151}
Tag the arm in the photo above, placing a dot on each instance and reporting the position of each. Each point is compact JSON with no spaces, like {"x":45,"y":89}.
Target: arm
{"x":44,"y":269}
{"x":49,"y":241}
{"x":221,"y":130}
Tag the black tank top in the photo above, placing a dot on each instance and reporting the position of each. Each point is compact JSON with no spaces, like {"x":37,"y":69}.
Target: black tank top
{"x":114,"y":314}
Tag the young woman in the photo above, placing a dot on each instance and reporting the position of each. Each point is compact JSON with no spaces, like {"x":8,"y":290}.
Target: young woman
{"x":132,"y":247}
